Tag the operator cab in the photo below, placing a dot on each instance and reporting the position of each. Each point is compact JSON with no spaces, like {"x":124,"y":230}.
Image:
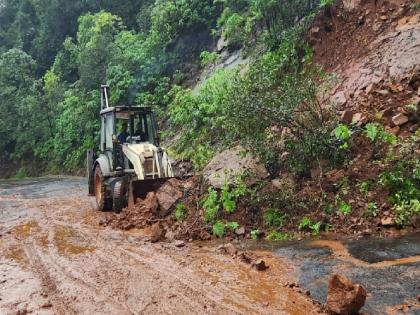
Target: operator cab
{"x":139,"y":119}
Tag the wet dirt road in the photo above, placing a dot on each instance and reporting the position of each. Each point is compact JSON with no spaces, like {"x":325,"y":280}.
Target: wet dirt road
{"x":56,"y":259}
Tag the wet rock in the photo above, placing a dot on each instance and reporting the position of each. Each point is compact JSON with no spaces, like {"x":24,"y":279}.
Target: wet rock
{"x":228,"y":248}
{"x":399,"y":119}
{"x":168,"y":195}
{"x":344,"y":296}
{"x":259,"y":265}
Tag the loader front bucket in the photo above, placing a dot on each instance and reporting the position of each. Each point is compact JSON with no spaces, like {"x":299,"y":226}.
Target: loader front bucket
{"x":140,"y":188}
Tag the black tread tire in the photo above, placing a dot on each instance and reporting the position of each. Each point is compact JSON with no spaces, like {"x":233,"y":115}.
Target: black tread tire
{"x":119,"y":196}
{"x":90,"y":172}
{"x":102,"y":202}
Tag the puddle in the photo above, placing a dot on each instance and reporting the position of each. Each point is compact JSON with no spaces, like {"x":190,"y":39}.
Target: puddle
{"x":26,"y":230}
{"x":388,"y":268}
{"x":17,"y":254}
{"x":68,"y":242}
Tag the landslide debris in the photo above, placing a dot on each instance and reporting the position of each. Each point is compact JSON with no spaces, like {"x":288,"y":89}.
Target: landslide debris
{"x":344,"y":297}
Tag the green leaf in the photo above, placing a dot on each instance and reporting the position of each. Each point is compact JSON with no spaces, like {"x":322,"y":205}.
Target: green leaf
{"x":219,"y":229}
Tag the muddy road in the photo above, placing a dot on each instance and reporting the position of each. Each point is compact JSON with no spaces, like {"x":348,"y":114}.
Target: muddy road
{"x":56,"y":259}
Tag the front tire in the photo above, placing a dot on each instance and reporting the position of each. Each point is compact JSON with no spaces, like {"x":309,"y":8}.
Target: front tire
{"x":119,"y":196}
{"x":103,"y":203}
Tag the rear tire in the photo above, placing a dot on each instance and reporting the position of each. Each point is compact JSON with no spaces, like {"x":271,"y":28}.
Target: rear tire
{"x":90,"y":172}
{"x":103,"y":203}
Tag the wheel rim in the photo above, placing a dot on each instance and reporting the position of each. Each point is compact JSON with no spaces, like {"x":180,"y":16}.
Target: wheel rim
{"x":98,"y":188}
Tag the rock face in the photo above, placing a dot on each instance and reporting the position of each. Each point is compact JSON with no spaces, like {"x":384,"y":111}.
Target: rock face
{"x":225,"y":165}
{"x":344,"y":297}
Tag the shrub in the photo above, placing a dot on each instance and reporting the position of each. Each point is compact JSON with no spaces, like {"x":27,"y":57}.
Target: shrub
{"x":273,"y":217}
{"x":343,"y":207}
{"x":180,"y":211}
{"x":306,"y":223}
{"x":219,"y":227}
{"x":371,"y":210}
{"x":211,"y":205}
{"x":406,"y":210}
{"x":278,"y":236}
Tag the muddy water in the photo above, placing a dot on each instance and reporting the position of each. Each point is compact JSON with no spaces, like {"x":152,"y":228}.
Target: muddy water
{"x":388,"y":268}
{"x":56,"y":259}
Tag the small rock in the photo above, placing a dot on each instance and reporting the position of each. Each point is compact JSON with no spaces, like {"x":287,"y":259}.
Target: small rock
{"x":399,"y":119}
{"x":259,"y":265}
{"x":387,"y":112}
{"x":387,"y":221}
{"x":383,"y":17}
{"x":383,"y":92}
{"x":339,"y":98}
{"x":358,"y":118}
{"x":367,"y":232}
{"x":346,"y":116}
{"x":240,"y":231}
{"x":179,"y":243}
{"x":227,"y":249}
{"x":46,"y":305}
{"x":157,"y":233}
{"x":370,"y":88}
{"x":344,"y":296}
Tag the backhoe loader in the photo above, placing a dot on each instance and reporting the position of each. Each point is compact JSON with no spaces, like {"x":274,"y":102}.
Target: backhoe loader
{"x":127,"y":167}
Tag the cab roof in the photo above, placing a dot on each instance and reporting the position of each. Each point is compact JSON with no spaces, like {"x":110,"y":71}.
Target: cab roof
{"x":127,"y":109}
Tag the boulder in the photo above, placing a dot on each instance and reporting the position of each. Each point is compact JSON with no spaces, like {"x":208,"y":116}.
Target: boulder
{"x":229,"y":163}
{"x":344,"y":296}
{"x":168,"y":195}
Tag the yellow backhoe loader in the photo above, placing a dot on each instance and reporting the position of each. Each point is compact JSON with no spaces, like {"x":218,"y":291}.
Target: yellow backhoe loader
{"x":130,"y":164}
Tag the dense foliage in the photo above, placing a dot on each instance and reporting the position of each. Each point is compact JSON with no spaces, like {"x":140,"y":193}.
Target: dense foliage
{"x":55,"y":54}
